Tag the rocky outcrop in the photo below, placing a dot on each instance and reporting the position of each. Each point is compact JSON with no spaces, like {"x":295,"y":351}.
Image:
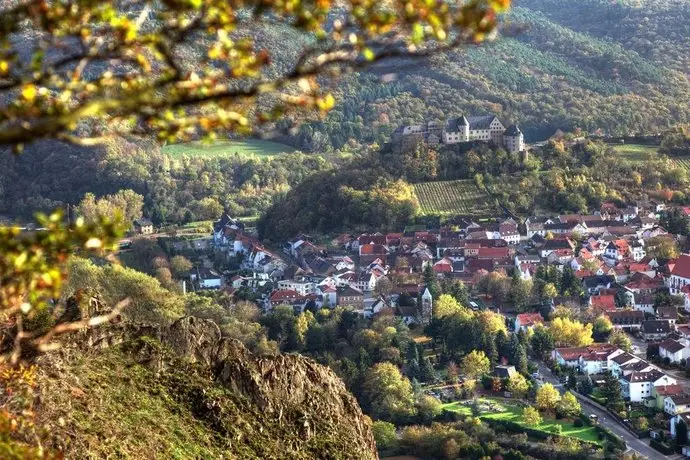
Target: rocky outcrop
{"x":273,"y":407}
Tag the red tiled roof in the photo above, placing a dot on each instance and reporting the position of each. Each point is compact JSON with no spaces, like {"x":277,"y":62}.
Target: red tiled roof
{"x":682,"y":266}
{"x":493,"y":253}
{"x":670,"y":390}
{"x":606,"y":302}
{"x":530,"y":319}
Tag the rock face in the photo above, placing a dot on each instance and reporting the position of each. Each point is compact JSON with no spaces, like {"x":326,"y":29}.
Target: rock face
{"x":276,"y":407}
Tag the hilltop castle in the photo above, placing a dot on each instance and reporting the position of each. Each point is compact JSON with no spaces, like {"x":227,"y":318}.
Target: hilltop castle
{"x":486,"y":128}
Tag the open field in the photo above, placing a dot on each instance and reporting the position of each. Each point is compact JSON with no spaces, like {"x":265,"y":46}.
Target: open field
{"x":452,"y":197}
{"x":634,"y":152}
{"x":253,"y":148}
{"x":501,"y":410}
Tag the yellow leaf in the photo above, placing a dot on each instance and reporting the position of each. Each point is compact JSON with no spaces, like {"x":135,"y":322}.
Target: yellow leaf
{"x":29,"y":92}
{"x":4,"y":67}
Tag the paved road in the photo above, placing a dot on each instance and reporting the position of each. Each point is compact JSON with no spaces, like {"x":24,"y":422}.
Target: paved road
{"x":604,"y":418}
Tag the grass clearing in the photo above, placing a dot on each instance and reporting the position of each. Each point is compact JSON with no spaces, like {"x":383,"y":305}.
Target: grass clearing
{"x":250,"y":148}
{"x":512,"y":412}
{"x":444,"y":198}
{"x":635,"y":153}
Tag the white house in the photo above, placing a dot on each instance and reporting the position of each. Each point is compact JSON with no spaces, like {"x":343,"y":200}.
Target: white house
{"x":525,"y":321}
{"x":206,"y":278}
{"x":637,"y":386}
{"x":365,"y":282}
{"x":329,"y":295}
{"x":680,"y":274}
{"x":675,"y":350}
{"x":637,"y":250}
{"x":302,"y":287}
{"x":593,"y":359}
{"x":674,"y":405}
{"x":617,"y":362}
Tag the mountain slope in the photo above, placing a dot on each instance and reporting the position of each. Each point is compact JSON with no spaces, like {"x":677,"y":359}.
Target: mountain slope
{"x":572,"y":66}
{"x":184,"y":392}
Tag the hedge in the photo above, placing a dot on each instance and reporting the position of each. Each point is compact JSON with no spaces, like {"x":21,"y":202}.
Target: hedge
{"x":661,"y":447}
{"x":615,"y":440}
{"x":539,"y":434}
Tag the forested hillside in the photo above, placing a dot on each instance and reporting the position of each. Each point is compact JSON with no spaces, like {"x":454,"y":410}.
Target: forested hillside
{"x":614,"y":67}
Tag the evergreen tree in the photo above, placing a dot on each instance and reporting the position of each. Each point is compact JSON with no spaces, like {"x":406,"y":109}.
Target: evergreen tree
{"x":413,"y":369}
{"x":489,"y":347}
{"x":501,"y":341}
{"x":520,"y":359}
{"x":427,"y":371}
{"x":586,"y":387}
{"x":611,"y":390}
{"x":681,"y":433}
{"x":430,"y":281}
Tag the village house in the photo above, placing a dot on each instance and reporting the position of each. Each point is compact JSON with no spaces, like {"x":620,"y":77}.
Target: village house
{"x":525,"y":321}
{"x":669,"y":314}
{"x":655,"y":329}
{"x":628,"y":320}
{"x":638,"y":386}
{"x":302,"y":287}
{"x":593,"y":359}
{"x":287,"y":297}
{"x":674,"y":350}
{"x":677,"y":404}
{"x":679,"y":274}
{"x":349,"y":296}
{"x":206,"y":278}
{"x":661,"y":392}
{"x":143,"y":226}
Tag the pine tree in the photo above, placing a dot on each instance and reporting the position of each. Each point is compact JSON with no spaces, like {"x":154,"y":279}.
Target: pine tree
{"x":489,"y":347}
{"x":427,"y":371}
{"x":520,"y":360}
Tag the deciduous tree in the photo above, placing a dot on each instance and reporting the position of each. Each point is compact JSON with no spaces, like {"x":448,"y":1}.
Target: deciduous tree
{"x":547,"y":397}
{"x":475,"y":364}
{"x":531,"y":416}
{"x":387,"y":394}
{"x":569,"y":406}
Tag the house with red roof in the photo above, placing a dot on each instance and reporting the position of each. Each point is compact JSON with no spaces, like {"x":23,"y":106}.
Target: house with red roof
{"x":525,"y":321}
{"x":444,"y":265}
{"x":605,"y":302}
{"x":493,"y":253}
{"x":592,"y":359}
{"x":679,"y":274}
{"x":286,"y":297}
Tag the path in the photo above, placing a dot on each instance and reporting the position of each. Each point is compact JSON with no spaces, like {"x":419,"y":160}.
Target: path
{"x":605,"y":419}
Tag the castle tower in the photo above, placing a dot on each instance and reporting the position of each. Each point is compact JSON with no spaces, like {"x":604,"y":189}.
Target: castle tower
{"x":513,"y":139}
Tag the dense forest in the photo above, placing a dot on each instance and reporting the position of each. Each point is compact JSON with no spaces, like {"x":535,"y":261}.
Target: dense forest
{"x":52,"y":174}
{"x":609,"y":67}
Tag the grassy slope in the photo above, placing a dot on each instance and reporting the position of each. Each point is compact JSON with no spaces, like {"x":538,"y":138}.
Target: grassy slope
{"x":513,"y":413}
{"x":635,"y":152}
{"x":106,"y":405}
{"x":256,"y":148}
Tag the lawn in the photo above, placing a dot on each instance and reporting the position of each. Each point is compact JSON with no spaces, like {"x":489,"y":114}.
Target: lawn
{"x":513,"y":413}
{"x":635,"y":152}
{"x":253,"y":148}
